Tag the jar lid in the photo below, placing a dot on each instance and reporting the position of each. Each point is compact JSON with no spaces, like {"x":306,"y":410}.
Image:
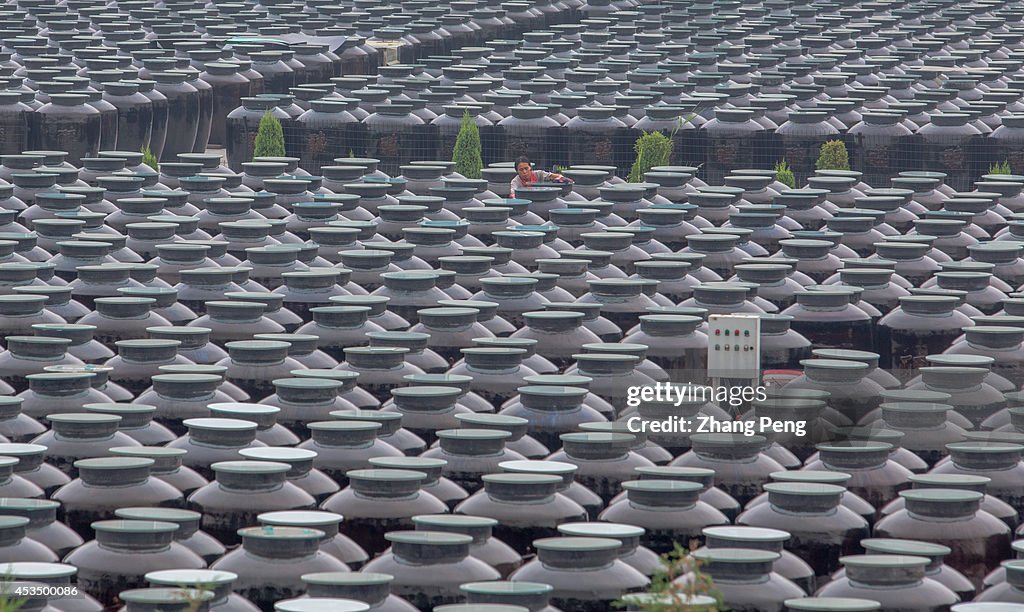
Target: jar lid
{"x":347,"y":578}
{"x":321,"y":604}
{"x":386,"y":475}
{"x":83,"y":418}
{"x":815,"y":488}
{"x":884,"y":561}
{"x":894,"y":546}
{"x":573,"y":544}
{"x":833,"y":604}
{"x":11,"y":522}
{"x":155,"y":597}
{"x":129,"y":526}
{"x":276,"y":532}
{"x":657,"y":486}
{"x":170,"y":515}
{"x":212,"y":424}
{"x":448,"y":521}
{"x":250,"y":467}
{"x":746,"y":534}
{"x":480,"y":607}
{"x":538,"y":467}
{"x":473,"y":434}
{"x":601,"y":530}
{"x":735,"y":555}
{"x":501,"y":587}
{"x":300,"y":518}
{"x":153,"y":452}
{"x":35,"y":570}
{"x":191,"y":577}
{"x":402,"y":463}
{"x":430,"y":538}
{"x":282,"y":454}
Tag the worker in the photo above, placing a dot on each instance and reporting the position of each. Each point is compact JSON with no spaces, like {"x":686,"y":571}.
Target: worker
{"x":526,"y":176}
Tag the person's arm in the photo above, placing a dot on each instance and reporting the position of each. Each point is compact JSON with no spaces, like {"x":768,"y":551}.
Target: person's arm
{"x":515,"y":184}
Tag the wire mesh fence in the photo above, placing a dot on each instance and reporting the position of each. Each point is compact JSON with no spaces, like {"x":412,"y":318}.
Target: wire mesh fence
{"x":715,"y":153}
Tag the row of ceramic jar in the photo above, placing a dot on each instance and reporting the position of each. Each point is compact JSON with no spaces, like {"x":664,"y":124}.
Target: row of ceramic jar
{"x":769,"y":157}
{"x":779,"y":286}
{"x":491,"y":540}
{"x":397,"y":133}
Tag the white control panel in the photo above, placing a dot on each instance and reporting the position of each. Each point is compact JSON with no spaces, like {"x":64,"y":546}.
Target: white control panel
{"x":734,"y":346}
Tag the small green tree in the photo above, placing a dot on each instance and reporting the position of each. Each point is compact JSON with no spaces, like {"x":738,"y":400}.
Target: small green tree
{"x":269,"y":137}
{"x":652,"y":149}
{"x":665,"y":594}
{"x":784,"y":174}
{"x":8,"y":602}
{"x":466,"y":153}
{"x":149,"y":159}
{"x":833,"y":156}
{"x":1000,"y":168}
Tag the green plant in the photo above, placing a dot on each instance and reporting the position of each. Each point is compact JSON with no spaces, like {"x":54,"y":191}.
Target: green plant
{"x":559,"y":169}
{"x":1000,"y":168}
{"x":667,"y":593}
{"x":351,"y":155}
{"x":833,"y":156}
{"x":9,"y":603}
{"x":466,"y":153}
{"x":197,"y":595}
{"x":784,"y":174}
{"x":652,"y":149}
{"x":149,"y":159}
{"x":269,"y":137}
{"x":655,"y":149}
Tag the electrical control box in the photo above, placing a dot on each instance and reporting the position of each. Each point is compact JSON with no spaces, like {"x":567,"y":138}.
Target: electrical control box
{"x":734,"y":346}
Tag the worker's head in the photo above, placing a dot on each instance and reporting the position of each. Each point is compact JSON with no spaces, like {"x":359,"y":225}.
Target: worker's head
{"x":524,"y":169}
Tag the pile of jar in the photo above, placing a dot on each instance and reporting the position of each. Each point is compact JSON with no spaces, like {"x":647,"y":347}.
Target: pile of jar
{"x":277,"y":390}
{"x":931,"y":85}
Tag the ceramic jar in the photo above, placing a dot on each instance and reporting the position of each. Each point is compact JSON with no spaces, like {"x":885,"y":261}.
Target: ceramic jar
{"x":345,"y":445}
{"x":741,"y":466}
{"x":271,"y":561}
{"x":560,"y":562}
{"x":335,"y":544}
{"x":124,"y":552}
{"x":213,"y":439}
{"x":77,"y":436}
{"x":428,"y":566}
{"x":470,"y":453}
{"x":241,"y":491}
{"x":875,"y":577}
{"x":504,"y":498}
{"x":188,"y":533}
{"x":167,"y":466}
{"x":219,"y":583}
{"x":370,"y":587}
{"x":669,"y":510}
{"x":746,"y":579}
{"x":107,"y":483}
{"x":822,"y":530}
